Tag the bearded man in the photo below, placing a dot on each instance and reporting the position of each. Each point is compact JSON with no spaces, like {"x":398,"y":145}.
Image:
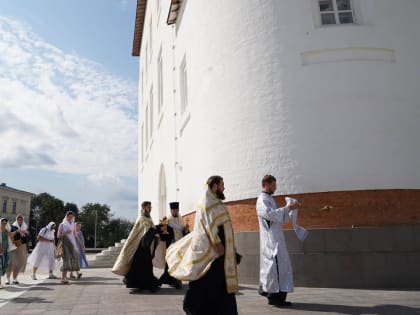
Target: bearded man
{"x":135,"y":259}
{"x":206,"y":257}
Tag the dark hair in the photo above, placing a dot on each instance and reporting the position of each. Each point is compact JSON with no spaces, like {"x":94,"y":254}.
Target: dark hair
{"x":144,"y":204}
{"x":214,"y":180}
{"x":69,"y":213}
{"x":268,"y":179}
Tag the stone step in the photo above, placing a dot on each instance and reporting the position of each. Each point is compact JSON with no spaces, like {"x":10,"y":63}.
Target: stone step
{"x":107,"y":257}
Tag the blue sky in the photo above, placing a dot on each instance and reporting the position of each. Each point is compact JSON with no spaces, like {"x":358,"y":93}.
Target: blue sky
{"x":68,"y":100}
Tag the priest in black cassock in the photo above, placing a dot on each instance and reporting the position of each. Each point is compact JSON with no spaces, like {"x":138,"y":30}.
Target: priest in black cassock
{"x":167,"y":235}
{"x":135,"y":260}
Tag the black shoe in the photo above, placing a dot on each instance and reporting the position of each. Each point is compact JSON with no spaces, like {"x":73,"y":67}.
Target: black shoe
{"x":154,"y":290}
{"x":261,"y":291}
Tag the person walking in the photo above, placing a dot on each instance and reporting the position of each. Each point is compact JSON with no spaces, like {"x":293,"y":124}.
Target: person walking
{"x":276,"y":276}
{"x":207,"y":257}
{"x":135,"y":259}
{"x":67,"y":236}
{"x":80,"y":240}
{"x":43,"y":256}
{"x":19,"y":256}
{"x":5,"y":246}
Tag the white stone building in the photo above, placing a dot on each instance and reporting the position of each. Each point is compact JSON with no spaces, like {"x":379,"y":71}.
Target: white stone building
{"x":323,"y":94}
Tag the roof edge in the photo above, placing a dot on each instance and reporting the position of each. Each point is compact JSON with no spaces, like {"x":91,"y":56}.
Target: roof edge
{"x":139,"y":26}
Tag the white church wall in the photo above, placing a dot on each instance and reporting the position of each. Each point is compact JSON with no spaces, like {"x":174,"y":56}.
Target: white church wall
{"x":270,"y":91}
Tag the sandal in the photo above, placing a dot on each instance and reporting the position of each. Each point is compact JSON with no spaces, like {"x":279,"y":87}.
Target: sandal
{"x":64,"y":282}
{"x":79,"y":275}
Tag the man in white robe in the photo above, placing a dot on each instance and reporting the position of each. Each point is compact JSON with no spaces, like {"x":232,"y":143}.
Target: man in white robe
{"x":176,"y":222}
{"x":276,"y":276}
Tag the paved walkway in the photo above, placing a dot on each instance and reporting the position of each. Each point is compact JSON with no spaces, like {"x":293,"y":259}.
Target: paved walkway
{"x":101,"y":292}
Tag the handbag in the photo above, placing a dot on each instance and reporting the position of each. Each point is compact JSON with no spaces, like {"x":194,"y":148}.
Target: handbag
{"x":59,"y":250}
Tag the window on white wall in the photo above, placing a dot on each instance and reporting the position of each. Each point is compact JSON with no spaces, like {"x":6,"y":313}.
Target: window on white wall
{"x":151,"y":111}
{"x":146,"y":139}
{"x":150,"y":39}
{"x":160,"y":81}
{"x":158,"y":6}
{"x":142,"y":143}
{"x":336,"y":12}
{"x":4,"y":205}
{"x":183,"y":85}
{"x":14,"y":207}
{"x":146,"y":62}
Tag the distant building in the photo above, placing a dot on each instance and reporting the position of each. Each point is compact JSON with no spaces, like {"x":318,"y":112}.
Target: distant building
{"x":14,"y":202}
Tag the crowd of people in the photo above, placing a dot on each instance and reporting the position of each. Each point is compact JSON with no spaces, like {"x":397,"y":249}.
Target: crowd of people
{"x":206,"y":257}
{"x":65,"y":252}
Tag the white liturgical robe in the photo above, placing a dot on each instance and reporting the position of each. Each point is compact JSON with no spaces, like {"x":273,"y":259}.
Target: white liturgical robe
{"x":178,"y":225}
{"x":275,"y":269}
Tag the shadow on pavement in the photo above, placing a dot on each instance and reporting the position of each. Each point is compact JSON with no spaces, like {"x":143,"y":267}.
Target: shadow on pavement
{"x":26,"y":300}
{"x":40,"y":288}
{"x":357,"y":310}
{"x":162,"y":291}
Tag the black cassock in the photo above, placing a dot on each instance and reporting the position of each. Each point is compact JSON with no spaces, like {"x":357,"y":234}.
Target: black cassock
{"x":140,"y":275}
{"x":166,"y":278}
{"x":208,"y":295}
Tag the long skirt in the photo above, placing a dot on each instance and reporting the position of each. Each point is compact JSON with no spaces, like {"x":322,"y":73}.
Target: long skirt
{"x":83,"y":263}
{"x":43,"y":256}
{"x":4,"y":261}
{"x":208,"y":295}
{"x":70,"y":256}
{"x":18,"y":259}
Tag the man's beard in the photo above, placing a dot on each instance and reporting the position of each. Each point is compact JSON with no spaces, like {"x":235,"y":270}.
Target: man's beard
{"x":220,"y":195}
{"x":175,"y":215}
{"x":146,"y":214}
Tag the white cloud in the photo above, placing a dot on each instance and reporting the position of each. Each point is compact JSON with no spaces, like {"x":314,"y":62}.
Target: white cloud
{"x":62,"y":112}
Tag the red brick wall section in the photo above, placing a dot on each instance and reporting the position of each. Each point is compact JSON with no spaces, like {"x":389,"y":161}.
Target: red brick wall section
{"x":336,"y":209}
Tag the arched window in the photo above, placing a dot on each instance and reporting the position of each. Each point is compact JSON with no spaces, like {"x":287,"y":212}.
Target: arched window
{"x":162,"y":192}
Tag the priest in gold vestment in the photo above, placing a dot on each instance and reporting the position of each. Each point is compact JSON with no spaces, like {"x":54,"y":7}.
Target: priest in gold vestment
{"x":207,"y":257}
{"x":135,"y":259}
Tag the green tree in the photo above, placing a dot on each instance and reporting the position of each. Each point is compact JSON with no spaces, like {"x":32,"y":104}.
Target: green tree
{"x":69,"y":206}
{"x":116,"y":230}
{"x":91,"y":214}
{"x":44,"y":209}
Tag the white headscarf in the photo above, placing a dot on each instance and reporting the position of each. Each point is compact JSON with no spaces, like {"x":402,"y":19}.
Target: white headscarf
{"x":23,"y":227}
{"x":49,"y":226}
{"x":70,"y":226}
{"x":47,"y":232}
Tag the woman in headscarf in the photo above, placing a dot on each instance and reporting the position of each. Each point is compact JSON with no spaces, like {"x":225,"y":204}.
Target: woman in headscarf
{"x":18,"y":257}
{"x":80,"y":240}
{"x":67,"y":235}
{"x":5,"y":235}
{"x":43,"y":256}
